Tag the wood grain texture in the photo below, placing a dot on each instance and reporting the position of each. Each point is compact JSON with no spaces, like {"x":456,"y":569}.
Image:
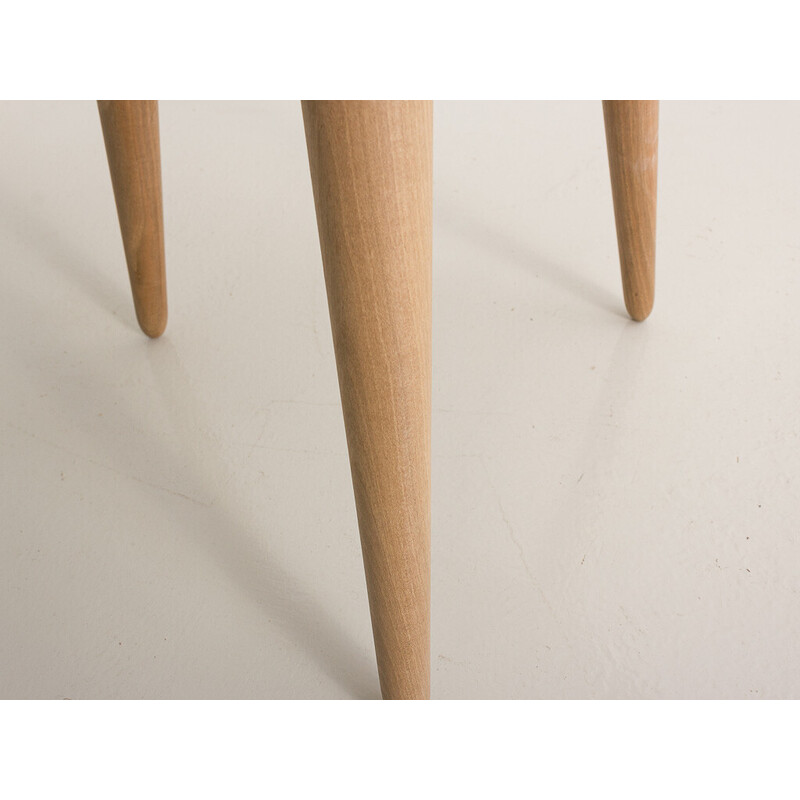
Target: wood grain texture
{"x":371,"y":169}
{"x":632,"y":139}
{"x":130,"y":130}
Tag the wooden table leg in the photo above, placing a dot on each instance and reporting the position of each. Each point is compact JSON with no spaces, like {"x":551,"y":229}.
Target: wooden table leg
{"x":632,"y":138}
{"x":371,"y":168}
{"x":130,"y":130}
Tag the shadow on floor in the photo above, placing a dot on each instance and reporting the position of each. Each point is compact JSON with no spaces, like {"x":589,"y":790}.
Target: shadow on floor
{"x":281,"y":597}
{"x":512,"y":247}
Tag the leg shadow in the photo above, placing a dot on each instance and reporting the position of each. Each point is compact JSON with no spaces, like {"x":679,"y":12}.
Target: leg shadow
{"x":475,"y":230}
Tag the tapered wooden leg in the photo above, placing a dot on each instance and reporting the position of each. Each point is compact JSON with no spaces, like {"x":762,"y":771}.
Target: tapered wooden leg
{"x":632,"y":138}
{"x":371,"y":168}
{"x":130,"y":130}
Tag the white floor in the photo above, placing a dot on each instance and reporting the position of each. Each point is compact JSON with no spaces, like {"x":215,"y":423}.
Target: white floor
{"x":615,"y":505}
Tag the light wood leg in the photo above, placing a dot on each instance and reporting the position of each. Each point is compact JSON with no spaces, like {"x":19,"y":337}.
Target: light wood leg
{"x":371,"y":168}
{"x":632,"y":138}
{"x":130,"y":130}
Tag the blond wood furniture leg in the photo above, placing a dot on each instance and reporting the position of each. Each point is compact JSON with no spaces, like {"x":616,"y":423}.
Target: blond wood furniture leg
{"x":130,"y":130}
{"x":632,"y":139}
{"x":371,"y":168}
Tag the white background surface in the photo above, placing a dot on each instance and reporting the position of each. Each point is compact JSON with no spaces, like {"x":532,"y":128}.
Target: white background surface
{"x":615,"y":505}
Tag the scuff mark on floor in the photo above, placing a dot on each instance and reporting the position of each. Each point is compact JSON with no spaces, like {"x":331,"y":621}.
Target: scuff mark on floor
{"x":513,"y":537}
